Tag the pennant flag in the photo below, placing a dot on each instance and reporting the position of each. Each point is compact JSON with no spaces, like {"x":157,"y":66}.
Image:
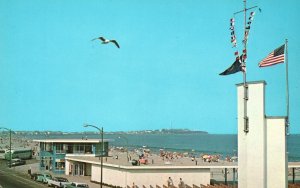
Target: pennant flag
{"x":275,"y":57}
{"x":233,"y":38}
{"x":244,"y":57}
{"x":235,"y":67}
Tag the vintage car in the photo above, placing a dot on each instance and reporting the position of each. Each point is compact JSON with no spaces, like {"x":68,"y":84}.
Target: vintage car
{"x":16,"y":162}
{"x":76,"y":184}
{"x":36,"y":176}
{"x":43,"y":177}
{"x":58,"y":182}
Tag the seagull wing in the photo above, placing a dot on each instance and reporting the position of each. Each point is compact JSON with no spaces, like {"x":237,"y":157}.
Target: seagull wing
{"x":102,"y":38}
{"x":115,"y":42}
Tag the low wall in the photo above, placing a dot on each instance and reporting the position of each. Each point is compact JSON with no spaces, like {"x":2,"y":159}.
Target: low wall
{"x":150,"y":175}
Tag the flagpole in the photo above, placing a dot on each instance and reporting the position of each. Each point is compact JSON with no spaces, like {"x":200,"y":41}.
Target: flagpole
{"x":243,"y":65}
{"x":246,"y":127}
{"x":287,"y":88}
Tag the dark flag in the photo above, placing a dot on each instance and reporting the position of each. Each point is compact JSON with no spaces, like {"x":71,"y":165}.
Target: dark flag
{"x":275,"y":57}
{"x":234,"y":68}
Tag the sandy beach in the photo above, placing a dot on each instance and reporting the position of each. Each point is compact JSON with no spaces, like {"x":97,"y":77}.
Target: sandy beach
{"x":119,"y":156}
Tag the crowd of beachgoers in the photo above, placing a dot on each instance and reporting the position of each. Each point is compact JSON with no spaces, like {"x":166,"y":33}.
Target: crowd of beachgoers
{"x":147,"y":156}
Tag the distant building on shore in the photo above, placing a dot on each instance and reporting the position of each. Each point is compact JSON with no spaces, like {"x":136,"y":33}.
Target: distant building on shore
{"x":52,"y":152}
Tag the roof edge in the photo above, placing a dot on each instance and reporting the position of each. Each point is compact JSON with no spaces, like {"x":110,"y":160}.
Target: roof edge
{"x":276,"y":117}
{"x":253,"y":82}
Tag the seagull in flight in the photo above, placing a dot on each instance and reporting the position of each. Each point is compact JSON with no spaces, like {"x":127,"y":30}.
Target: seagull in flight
{"x":106,"y":41}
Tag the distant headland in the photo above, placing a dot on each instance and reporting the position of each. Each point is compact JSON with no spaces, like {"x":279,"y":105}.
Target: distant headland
{"x":157,"y":131}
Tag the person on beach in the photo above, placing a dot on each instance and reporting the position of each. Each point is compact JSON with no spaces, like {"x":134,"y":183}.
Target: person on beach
{"x":170,"y":182}
{"x":181,"y":183}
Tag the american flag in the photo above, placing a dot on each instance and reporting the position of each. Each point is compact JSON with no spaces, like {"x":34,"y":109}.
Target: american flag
{"x":275,"y":57}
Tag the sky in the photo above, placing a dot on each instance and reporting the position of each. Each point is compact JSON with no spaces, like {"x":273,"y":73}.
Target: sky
{"x":165,"y":75}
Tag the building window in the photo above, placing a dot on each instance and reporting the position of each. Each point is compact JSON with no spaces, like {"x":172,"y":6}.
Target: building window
{"x":69,"y":148}
{"x":88,"y":149}
{"x":79,"y":148}
{"x":60,"y":148}
{"x":48,"y":147}
{"x":60,"y":165}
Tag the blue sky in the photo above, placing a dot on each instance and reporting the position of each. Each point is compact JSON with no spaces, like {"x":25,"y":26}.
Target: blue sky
{"x":165,"y":75}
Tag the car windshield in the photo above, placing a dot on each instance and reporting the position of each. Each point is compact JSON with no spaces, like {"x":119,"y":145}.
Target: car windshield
{"x":82,"y":185}
{"x":62,"y":179}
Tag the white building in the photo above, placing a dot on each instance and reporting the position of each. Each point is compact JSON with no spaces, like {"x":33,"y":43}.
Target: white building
{"x":52,"y":153}
{"x":262,"y":151}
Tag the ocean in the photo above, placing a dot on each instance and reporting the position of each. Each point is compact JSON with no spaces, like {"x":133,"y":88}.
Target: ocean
{"x":194,"y":144}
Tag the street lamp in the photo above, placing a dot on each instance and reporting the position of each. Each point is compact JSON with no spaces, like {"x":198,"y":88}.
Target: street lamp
{"x":101,"y":156}
{"x":121,"y":136}
{"x":9,"y":144}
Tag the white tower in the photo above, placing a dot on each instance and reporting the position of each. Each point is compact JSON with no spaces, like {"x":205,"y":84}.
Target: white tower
{"x":261,"y":151}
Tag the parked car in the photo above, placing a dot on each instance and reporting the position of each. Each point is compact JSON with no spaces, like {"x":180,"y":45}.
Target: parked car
{"x":35,"y":176}
{"x":45,"y":177}
{"x":76,"y":184}
{"x":58,"y":182}
{"x":16,"y":162}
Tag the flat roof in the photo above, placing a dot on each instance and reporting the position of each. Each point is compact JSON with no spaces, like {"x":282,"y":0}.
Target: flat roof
{"x":276,"y":117}
{"x":252,"y":82}
{"x":127,"y":165}
{"x":71,"y":140}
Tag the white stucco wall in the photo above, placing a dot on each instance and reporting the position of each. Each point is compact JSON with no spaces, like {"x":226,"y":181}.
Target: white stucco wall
{"x":252,"y":145}
{"x":67,"y":167}
{"x":262,"y":151}
{"x":276,"y":153}
{"x":124,"y":175}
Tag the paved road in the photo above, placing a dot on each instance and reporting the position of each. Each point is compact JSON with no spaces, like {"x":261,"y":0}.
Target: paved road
{"x":10,"y":178}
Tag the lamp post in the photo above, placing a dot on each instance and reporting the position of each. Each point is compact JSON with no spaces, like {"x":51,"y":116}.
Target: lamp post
{"x":9,"y":145}
{"x":121,"y":136}
{"x":102,"y":151}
